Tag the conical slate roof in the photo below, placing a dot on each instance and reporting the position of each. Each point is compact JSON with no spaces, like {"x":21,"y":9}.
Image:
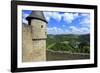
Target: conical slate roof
{"x":36,"y":15}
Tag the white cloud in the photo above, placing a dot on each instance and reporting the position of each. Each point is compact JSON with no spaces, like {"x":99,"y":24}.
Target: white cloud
{"x":69,"y":17}
{"x":85,"y":21}
{"x":24,"y":18}
{"x":85,"y":14}
{"x":47,"y":15}
{"x":25,"y":21}
{"x":56,"y":30}
{"x":75,"y":15}
{"x":84,"y":29}
{"x":71,"y":30}
{"x":81,"y":30}
{"x":74,"y":29}
{"x":63,"y":25}
{"x":54,"y":15}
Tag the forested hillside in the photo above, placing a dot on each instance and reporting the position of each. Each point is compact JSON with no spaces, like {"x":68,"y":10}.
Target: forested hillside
{"x":69,"y":43}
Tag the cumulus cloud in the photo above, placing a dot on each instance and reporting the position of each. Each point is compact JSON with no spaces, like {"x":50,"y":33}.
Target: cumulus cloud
{"x":63,"y":25}
{"x":69,"y":17}
{"x":84,"y":29}
{"x":73,"y":30}
{"x":83,"y":22}
{"x":54,"y":15}
{"x":24,"y":15}
{"x":86,"y":20}
{"x":56,"y":30}
{"x":85,"y":14}
{"x":47,"y":15}
{"x":81,"y":30}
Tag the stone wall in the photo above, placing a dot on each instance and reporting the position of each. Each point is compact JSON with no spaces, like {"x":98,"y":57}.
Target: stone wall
{"x":33,"y":50}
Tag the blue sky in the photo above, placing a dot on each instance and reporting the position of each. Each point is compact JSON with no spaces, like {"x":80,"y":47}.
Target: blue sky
{"x":64,"y":22}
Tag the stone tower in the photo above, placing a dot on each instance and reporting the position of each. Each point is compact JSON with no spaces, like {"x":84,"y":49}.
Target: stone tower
{"x":34,"y":39}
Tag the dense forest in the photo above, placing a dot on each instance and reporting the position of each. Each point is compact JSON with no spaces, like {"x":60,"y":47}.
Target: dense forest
{"x":69,"y":43}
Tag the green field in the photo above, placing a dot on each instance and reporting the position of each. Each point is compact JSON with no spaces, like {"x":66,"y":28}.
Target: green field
{"x":69,"y":43}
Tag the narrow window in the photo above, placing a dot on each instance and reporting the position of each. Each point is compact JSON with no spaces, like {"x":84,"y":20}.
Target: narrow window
{"x":45,"y":33}
{"x":41,"y":26}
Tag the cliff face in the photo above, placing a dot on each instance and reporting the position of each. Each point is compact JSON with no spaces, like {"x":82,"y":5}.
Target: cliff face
{"x":32,"y":50}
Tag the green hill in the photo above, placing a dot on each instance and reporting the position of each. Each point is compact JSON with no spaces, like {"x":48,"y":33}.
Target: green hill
{"x":70,"y":42}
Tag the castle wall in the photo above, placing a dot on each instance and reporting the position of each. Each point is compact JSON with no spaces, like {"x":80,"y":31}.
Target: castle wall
{"x":34,"y":50}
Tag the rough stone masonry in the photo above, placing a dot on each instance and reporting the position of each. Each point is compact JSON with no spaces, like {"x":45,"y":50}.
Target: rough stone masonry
{"x":34,"y":38}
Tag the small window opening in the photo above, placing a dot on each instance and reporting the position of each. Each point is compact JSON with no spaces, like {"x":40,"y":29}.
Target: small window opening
{"x":41,"y":26}
{"x":45,"y":33}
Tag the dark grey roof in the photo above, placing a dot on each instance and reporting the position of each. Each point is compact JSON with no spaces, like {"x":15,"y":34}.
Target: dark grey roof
{"x":36,"y":15}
